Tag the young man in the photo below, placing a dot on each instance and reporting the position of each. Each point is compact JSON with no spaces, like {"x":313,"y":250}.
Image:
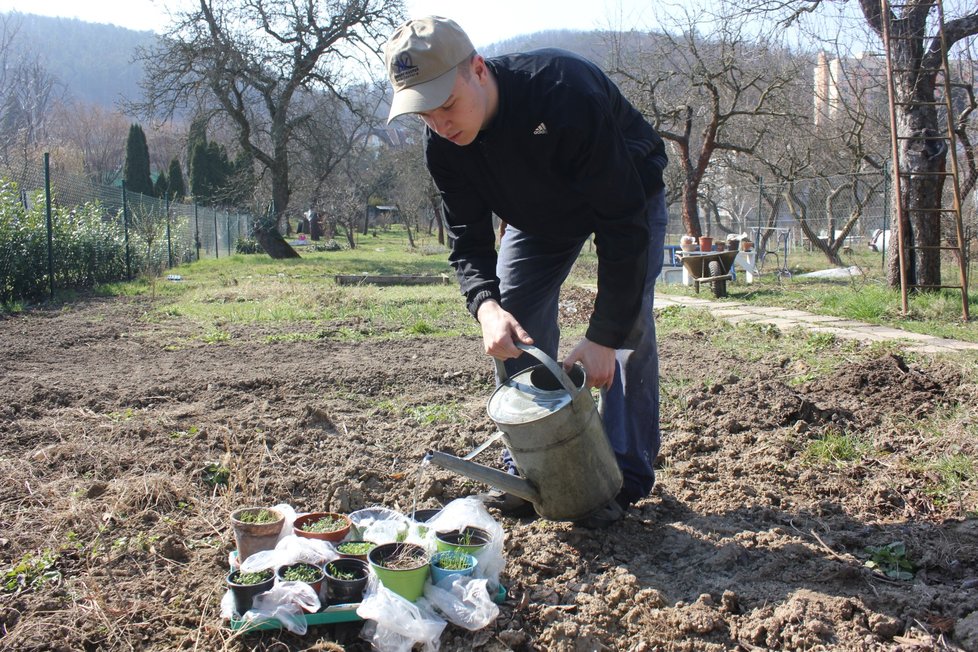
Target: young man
{"x":547,"y":142}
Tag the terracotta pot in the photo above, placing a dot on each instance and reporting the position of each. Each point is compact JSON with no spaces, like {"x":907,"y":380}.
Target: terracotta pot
{"x":721,"y":246}
{"x":307,"y":520}
{"x":706,"y":243}
{"x":255,"y":537}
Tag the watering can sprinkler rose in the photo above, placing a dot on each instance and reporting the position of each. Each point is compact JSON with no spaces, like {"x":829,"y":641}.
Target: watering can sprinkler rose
{"x":553,"y":430}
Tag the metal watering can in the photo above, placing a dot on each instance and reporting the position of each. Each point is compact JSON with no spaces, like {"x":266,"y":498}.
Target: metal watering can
{"x":555,"y":435}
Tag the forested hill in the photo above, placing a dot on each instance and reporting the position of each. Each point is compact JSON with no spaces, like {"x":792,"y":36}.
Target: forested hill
{"x":92,"y":61}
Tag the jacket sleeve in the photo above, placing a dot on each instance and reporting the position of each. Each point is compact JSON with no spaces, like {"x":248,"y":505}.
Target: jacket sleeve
{"x":469,"y":222}
{"x":602,"y":167}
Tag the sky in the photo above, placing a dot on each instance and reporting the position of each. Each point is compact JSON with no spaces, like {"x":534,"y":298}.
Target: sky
{"x":485,"y":22}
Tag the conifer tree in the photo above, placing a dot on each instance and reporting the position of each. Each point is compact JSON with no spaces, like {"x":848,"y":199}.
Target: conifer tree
{"x":136,"y":169}
{"x":175,"y":184}
{"x":161,"y":187}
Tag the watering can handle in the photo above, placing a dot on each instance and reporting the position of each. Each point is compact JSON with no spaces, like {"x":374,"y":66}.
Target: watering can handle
{"x":547,"y":361}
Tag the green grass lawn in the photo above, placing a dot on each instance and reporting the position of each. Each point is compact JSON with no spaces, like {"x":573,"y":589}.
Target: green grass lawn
{"x":255,"y":288}
{"x":864,"y":297}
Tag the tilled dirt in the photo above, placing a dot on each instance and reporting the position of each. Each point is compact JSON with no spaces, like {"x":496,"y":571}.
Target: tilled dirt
{"x":112,"y":426}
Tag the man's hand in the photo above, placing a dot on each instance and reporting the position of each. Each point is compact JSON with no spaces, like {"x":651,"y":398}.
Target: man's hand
{"x":501,"y":331}
{"x":598,"y":361}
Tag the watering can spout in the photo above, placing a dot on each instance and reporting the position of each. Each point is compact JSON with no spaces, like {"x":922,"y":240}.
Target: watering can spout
{"x":494,"y":477}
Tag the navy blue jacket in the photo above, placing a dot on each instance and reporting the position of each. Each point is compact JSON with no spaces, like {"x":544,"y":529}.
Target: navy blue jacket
{"x":566,"y":155}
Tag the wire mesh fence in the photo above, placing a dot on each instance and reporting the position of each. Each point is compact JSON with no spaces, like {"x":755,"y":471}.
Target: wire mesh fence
{"x":844,"y":213}
{"x":62,"y":231}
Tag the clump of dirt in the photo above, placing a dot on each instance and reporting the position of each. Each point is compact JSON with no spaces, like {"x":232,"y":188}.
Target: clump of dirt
{"x":126,"y":443}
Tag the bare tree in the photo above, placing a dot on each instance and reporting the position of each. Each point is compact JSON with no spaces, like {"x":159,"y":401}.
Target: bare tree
{"x":709,"y":94}
{"x":98,"y":135}
{"x":916,"y":54}
{"x":251,"y":61}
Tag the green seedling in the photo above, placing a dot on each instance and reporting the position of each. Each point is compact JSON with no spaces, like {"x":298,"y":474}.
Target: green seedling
{"x":355,"y":547}
{"x":31,"y":571}
{"x":340,"y":574}
{"x":456,"y":562}
{"x":216,"y":475}
{"x":258,"y":516}
{"x":891,"y":560}
{"x":250,"y":579}
{"x":325,"y":524}
{"x":302,"y":573}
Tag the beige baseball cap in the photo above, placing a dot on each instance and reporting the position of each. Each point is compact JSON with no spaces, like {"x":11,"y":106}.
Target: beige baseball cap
{"x":421,"y":57}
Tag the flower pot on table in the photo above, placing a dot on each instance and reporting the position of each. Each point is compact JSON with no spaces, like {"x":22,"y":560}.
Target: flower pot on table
{"x":401,"y":567}
{"x":245,"y":586}
{"x":451,"y":562}
{"x":469,"y":539}
{"x":345,"y":580}
{"x":253,"y":531}
{"x":325,"y":526}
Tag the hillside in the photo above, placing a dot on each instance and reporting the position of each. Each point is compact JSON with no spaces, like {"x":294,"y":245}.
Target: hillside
{"x":92,"y":61}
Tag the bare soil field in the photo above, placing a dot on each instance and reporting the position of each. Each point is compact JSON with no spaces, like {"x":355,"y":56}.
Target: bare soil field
{"x":114,"y":530}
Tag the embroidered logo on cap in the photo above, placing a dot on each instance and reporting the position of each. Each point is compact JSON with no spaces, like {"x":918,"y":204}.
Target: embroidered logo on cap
{"x":541,"y":130}
{"x":405,"y":68}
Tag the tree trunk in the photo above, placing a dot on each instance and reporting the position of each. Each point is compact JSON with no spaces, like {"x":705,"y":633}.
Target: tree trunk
{"x":274,"y":244}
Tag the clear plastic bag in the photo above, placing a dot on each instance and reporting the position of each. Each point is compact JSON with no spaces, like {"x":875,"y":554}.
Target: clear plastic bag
{"x":291,"y":550}
{"x":286,"y":602}
{"x":395,"y":624}
{"x":463,"y":601}
{"x":462,"y":512}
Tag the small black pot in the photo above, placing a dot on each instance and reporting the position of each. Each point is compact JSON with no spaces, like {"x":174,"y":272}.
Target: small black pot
{"x":423,"y":515}
{"x":244,"y":594}
{"x":343,"y":591}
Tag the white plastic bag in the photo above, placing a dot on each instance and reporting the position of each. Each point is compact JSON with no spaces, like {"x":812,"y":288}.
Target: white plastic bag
{"x":285,"y":602}
{"x":463,"y":601}
{"x":470,"y":511}
{"x":395,"y":624}
{"x":291,"y":550}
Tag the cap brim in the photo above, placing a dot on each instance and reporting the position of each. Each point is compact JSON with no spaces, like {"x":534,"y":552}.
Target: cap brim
{"x":422,"y":97}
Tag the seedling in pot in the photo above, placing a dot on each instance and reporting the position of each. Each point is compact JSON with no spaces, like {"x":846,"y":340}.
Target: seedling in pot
{"x":258,"y":516}
{"x":325,"y":524}
{"x":333,"y":571}
{"x":302,"y":573}
{"x":250,"y":579}
{"x":355,"y":547}
{"x":455,"y":562}
{"x":404,"y":558}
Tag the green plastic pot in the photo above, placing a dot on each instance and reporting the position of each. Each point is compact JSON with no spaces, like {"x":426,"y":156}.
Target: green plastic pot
{"x":470,"y":540}
{"x":407,"y":580}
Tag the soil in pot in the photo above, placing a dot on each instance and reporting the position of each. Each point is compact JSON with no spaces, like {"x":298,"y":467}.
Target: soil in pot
{"x":245,"y":586}
{"x":326,"y":526}
{"x":345,"y":580}
{"x":256,"y":529}
{"x":401,"y":567}
{"x":451,"y":562}
{"x":356,"y":549}
{"x":303,"y":572}
{"x":470,"y":540}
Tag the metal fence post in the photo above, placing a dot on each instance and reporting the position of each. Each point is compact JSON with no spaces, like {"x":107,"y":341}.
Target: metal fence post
{"x":169,"y":237}
{"x":886,"y":211}
{"x":197,"y":231}
{"x":217,"y":242}
{"x":125,"y":230}
{"x":227,"y":218}
{"x":50,"y":223}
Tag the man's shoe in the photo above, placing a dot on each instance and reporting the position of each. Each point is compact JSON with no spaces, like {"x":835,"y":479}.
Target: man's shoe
{"x":509,"y":504}
{"x":602,"y":517}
